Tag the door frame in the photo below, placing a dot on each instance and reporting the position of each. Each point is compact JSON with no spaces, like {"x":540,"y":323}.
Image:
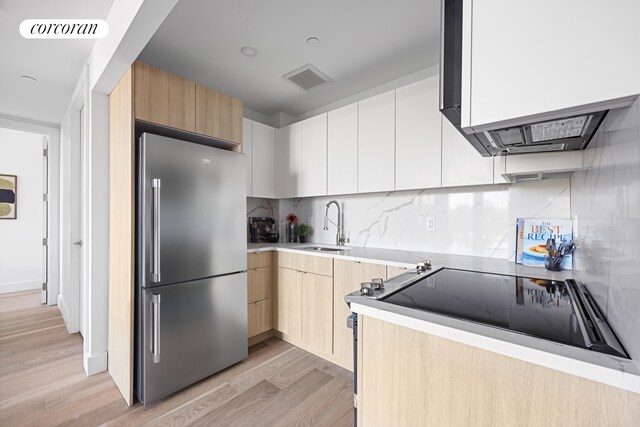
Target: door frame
{"x":52,"y":133}
{"x":75,"y":170}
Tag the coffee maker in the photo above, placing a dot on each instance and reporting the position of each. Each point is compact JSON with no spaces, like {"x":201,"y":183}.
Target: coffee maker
{"x":263,"y":230}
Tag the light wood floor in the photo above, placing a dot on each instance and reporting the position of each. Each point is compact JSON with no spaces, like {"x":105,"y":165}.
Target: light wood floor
{"x":42,"y":383}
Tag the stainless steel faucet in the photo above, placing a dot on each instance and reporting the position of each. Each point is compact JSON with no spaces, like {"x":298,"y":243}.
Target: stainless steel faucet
{"x":340,"y":235}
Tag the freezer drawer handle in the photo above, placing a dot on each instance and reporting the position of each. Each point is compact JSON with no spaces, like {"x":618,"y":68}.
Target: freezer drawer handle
{"x":155,"y":267}
{"x":155,"y":328}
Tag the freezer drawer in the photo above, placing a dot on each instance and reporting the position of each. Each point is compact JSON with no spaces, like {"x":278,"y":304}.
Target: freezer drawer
{"x":189,"y":331}
{"x":191,"y":219}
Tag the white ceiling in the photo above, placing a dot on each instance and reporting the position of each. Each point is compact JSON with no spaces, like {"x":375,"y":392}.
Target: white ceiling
{"x":363,"y":43}
{"x":55,"y":63}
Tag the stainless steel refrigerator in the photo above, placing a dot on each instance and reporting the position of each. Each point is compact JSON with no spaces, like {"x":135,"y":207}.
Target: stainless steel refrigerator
{"x":191,"y":312}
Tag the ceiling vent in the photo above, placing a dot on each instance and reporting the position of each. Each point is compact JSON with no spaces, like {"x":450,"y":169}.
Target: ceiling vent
{"x":307,"y":77}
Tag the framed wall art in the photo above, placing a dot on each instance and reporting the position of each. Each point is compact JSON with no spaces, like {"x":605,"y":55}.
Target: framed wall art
{"x":8,"y":196}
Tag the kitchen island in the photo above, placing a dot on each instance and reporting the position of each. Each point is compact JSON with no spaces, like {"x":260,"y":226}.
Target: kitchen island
{"x":427,"y":369}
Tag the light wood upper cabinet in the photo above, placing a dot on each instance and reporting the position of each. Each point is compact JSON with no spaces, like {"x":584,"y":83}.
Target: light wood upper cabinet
{"x":347,"y":278}
{"x":314,"y":157}
{"x":418,"y":135}
{"x":461,"y":163}
{"x":317,"y":312}
{"x":218,"y":115}
{"x":342,"y":150}
{"x":264,"y":161}
{"x":376,"y":143}
{"x":164,"y":98}
{"x":289,"y":161}
{"x":247,"y":150}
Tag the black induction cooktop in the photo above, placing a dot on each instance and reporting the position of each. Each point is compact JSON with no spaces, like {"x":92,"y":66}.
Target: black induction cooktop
{"x":536,"y":307}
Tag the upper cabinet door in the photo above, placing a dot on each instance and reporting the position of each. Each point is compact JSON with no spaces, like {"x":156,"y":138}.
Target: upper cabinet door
{"x":561,"y":56}
{"x":289,"y":161}
{"x":314,"y":157}
{"x":376,"y":143}
{"x":342,"y":150}
{"x":461,"y":163}
{"x":264,"y":161}
{"x":247,"y":150}
{"x":164,"y":98}
{"x":418,"y":135}
{"x":218,"y":115}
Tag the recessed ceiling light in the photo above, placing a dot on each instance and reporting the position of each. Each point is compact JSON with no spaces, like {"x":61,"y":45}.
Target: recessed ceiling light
{"x":30,"y":79}
{"x":249,"y":51}
{"x":313,"y":41}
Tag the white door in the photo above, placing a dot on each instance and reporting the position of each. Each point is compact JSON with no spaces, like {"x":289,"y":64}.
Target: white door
{"x":289,"y":161}
{"x":247,"y":149}
{"x":45,"y":219}
{"x":264,"y":161}
{"x":376,"y":143}
{"x":77,"y":270}
{"x":342,"y":150}
{"x":314,"y":157}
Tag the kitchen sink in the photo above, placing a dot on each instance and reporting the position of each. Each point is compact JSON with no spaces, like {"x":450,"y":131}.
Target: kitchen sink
{"x":324,"y":249}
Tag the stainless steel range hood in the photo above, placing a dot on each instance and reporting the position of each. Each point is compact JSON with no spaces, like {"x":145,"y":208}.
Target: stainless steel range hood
{"x":569,"y":129}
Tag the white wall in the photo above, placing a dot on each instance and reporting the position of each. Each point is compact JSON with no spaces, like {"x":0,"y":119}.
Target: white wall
{"x":21,"y":239}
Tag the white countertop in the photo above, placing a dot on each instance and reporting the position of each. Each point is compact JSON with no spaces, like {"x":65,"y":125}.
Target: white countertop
{"x":611,"y":370}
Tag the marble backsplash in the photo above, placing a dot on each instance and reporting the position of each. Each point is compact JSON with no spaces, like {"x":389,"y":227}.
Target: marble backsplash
{"x":476,"y":221}
{"x":605,"y":201}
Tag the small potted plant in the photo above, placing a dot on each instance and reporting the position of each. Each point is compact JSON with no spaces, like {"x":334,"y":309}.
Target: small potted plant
{"x":303,"y":230}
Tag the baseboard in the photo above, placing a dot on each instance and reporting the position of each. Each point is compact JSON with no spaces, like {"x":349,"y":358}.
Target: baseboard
{"x":94,"y":364}
{"x":261,"y":337}
{"x":27,"y":285}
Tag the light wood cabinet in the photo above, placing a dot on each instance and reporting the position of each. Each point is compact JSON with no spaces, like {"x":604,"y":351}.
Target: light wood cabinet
{"x":317,"y":312}
{"x":247,"y":150}
{"x":309,"y":263}
{"x":394,"y":271}
{"x":218,"y":115}
{"x":264,"y":161}
{"x":313,"y":177}
{"x":260,"y":277}
{"x":418,"y":135}
{"x":288,"y":313}
{"x":342,"y":150}
{"x":259,"y":284}
{"x":376,"y":143}
{"x":164,"y":98}
{"x":260,"y":317}
{"x":446,"y":383}
{"x":347,"y":278}
{"x":289,"y":161}
{"x":461,"y":163}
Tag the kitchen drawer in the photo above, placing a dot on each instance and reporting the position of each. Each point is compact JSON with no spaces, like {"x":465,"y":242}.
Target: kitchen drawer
{"x":306,"y":263}
{"x":260,"y":283}
{"x":259,"y":317}
{"x":259,"y":259}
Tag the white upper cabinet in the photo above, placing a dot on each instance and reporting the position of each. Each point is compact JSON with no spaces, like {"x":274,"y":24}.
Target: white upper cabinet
{"x":289,"y":161}
{"x":418,"y":135}
{"x":564,"y":54}
{"x":342,"y":167}
{"x":314,"y":157}
{"x":247,"y":150}
{"x":376,"y":143}
{"x":264,"y":161}
{"x":461,"y":163}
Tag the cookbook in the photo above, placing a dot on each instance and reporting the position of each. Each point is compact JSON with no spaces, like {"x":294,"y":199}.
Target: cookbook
{"x":532,"y":235}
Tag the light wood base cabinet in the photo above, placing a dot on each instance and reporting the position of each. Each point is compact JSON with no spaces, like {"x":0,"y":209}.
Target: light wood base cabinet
{"x":347,"y":278}
{"x":259,"y":291}
{"x":409,"y":378}
{"x":288,"y":315}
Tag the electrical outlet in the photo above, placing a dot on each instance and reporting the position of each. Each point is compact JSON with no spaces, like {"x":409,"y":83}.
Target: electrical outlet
{"x":431,"y":224}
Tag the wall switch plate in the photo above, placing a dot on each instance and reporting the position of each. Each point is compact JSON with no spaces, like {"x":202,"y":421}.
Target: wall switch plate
{"x":431,"y":224}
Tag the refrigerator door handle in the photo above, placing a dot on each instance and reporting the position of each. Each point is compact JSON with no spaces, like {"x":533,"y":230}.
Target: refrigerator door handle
{"x":155,"y":328}
{"x":155,"y":263}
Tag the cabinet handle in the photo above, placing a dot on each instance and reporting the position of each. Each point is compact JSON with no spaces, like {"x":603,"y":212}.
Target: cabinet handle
{"x":155,"y":328}
{"x":155,"y":263}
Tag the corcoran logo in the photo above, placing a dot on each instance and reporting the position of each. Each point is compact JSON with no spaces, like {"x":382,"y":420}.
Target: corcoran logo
{"x":63,"y":28}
